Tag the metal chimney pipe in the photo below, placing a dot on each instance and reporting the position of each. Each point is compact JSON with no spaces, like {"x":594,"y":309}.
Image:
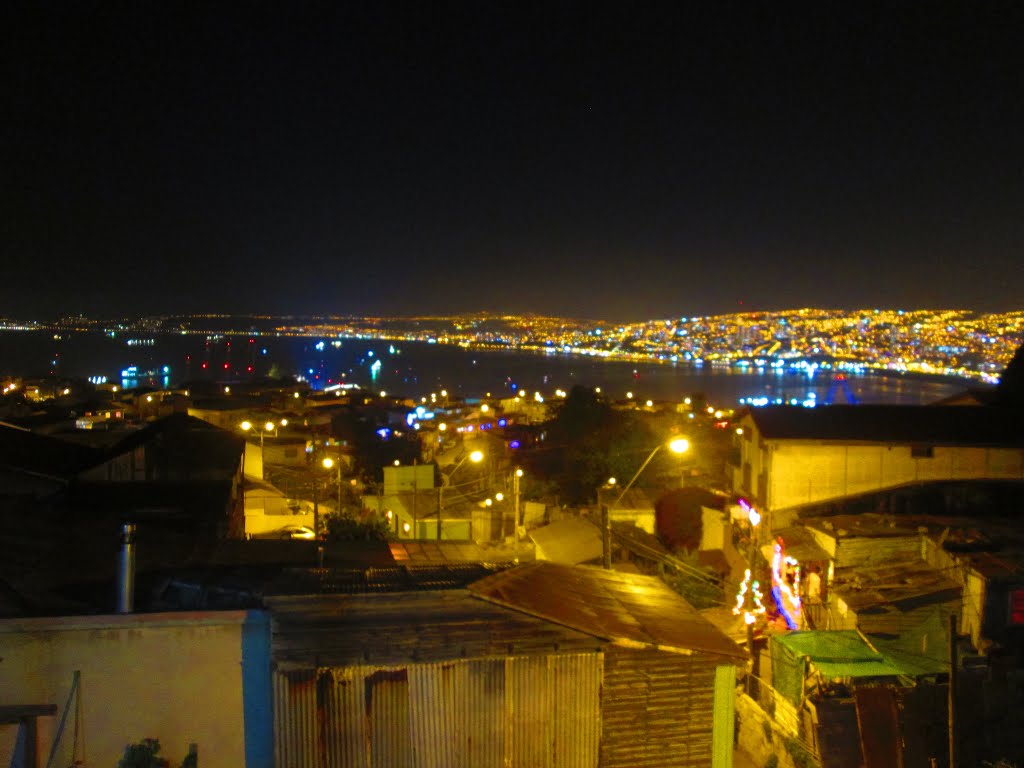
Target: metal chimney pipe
{"x":126,"y":570}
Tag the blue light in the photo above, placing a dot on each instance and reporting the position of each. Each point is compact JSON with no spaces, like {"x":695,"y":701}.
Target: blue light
{"x":514,"y":444}
{"x":502,"y":422}
{"x":384,"y":432}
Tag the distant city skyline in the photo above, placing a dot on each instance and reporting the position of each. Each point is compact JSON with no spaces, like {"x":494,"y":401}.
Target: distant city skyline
{"x":563,"y":159}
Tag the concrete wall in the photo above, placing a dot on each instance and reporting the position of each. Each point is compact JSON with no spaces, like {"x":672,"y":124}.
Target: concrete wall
{"x":182,"y":678}
{"x":804,"y":472}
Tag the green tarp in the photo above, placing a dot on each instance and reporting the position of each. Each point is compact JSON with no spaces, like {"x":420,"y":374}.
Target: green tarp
{"x":834,"y":654}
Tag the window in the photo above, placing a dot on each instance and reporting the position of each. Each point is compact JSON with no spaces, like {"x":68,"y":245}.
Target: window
{"x":291,"y":453}
{"x":922,"y":452}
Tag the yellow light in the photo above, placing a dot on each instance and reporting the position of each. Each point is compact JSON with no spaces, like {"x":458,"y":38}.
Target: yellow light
{"x":686,"y":401}
{"x":406,"y":527}
{"x":519,"y":473}
{"x":597,"y":390}
{"x":718,"y":414}
{"x":383,"y":394}
{"x":284,"y":422}
{"x":328,"y":462}
{"x":389,"y":514}
{"x":442,"y":427}
{"x":739,"y":430}
{"x":485,"y":408}
{"x":679,"y":445}
{"x":488,"y":502}
{"x":295,"y":395}
{"x":246,"y":426}
{"x":476,"y":456}
{"x":115,"y":389}
{"x":149,"y":398}
{"x":398,"y":463}
{"x":68,"y":392}
{"x":499,"y":496}
{"x":650,"y":403}
{"x":629,"y":395}
{"x":269,"y":426}
{"x":444,"y":393}
{"x":612,"y":481}
{"x":227,"y":390}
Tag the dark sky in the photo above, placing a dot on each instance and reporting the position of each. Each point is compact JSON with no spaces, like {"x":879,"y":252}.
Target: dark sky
{"x":578,"y":159}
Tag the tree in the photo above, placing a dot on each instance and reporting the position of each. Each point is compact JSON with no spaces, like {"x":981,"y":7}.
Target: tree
{"x":586,"y":441}
{"x":1011,"y":384}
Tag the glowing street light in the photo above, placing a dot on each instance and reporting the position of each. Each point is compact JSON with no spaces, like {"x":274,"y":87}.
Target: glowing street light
{"x":476,"y":457}
{"x":269,"y":427}
{"x":679,"y":445}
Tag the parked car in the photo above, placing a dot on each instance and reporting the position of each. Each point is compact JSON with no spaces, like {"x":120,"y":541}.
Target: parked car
{"x":297,"y":532}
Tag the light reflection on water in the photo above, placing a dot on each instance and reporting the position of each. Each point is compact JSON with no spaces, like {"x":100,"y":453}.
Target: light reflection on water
{"x":417,"y":369}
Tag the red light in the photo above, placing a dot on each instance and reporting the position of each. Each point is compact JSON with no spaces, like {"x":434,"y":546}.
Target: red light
{"x":204,"y":365}
{"x":225,"y":366}
{"x":249,"y":369}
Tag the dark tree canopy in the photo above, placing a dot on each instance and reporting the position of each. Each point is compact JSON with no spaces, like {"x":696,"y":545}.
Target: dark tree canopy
{"x":586,"y":441}
{"x":1011,"y":384}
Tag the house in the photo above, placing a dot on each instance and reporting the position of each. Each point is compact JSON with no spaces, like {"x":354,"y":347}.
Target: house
{"x":539,"y":665}
{"x":194,"y":680}
{"x":792,"y":457}
{"x":36,"y":466}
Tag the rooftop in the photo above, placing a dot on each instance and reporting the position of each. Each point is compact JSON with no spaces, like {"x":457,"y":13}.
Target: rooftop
{"x":623,"y":608}
{"x":905,"y":424}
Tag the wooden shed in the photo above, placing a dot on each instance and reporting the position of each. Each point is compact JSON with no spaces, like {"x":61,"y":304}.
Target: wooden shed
{"x":542,"y":665}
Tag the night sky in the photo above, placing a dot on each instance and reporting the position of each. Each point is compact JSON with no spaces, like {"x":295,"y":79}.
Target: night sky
{"x":582,"y":159}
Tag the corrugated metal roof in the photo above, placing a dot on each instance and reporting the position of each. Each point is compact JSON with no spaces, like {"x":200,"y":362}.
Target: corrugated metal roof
{"x":905,"y":424}
{"x":342,"y":630}
{"x":902,"y":586}
{"x":397,"y":578}
{"x":419,"y":552}
{"x":608,"y":604}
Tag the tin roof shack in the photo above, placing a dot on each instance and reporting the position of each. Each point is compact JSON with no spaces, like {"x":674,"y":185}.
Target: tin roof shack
{"x":908,"y":602}
{"x":843,"y":698}
{"x":540,"y":665}
{"x":869,"y":539}
{"x":791,"y":457}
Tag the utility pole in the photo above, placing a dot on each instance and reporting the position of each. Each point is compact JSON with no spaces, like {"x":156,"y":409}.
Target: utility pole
{"x":606,"y":537}
{"x":515,"y":511}
{"x":952,"y":690}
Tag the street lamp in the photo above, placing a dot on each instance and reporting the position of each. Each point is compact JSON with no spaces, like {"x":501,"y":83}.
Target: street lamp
{"x":329,"y":463}
{"x":269,"y":427}
{"x":679,"y":446}
{"x":476,"y":457}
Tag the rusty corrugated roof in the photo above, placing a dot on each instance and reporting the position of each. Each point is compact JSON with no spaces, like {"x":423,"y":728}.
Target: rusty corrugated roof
{"x":616,"y":606}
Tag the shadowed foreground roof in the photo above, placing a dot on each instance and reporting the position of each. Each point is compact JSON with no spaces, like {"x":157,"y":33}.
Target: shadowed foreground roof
{"x":623,"y":608}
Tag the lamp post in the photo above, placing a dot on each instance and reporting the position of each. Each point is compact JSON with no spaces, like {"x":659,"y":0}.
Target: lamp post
{"x":515,"y":511}
{"x":680,"y":446}
{"x":268,"y":427}
{"x":476,"y":457}
{"x":329,"y":463}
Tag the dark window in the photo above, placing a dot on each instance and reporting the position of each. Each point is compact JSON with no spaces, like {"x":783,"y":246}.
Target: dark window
{"x":291,"y":453}
{"x":922,"y":452}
